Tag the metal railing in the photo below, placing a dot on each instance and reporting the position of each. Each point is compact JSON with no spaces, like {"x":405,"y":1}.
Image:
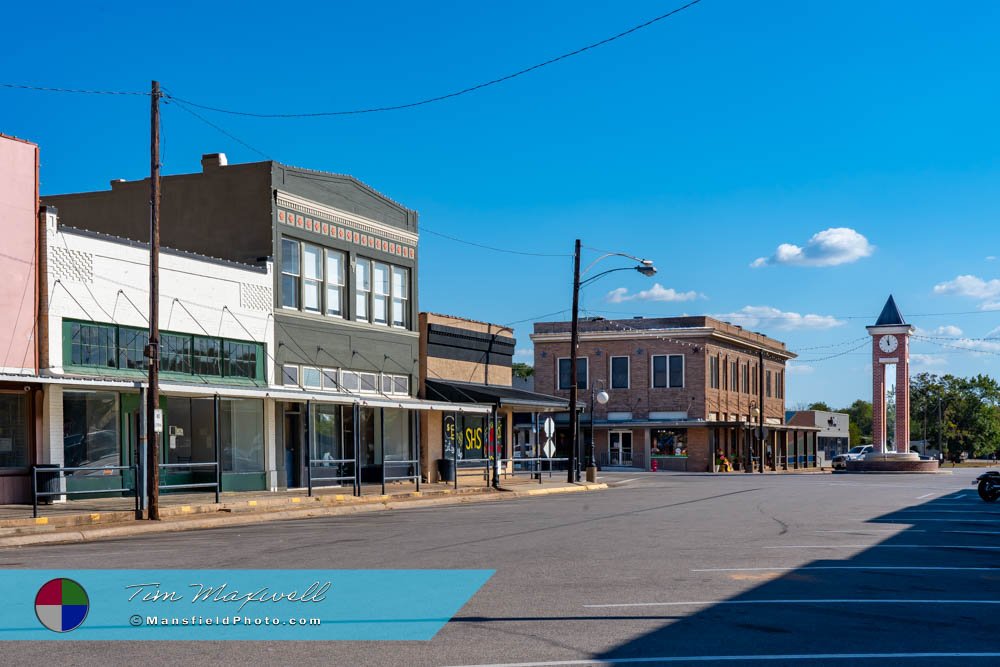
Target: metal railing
{"x":217,"y":484}
{"x":535,"y":467}
{"x":60,"y":470}
{"x":340,"y":465}
{"x":406,"y":462}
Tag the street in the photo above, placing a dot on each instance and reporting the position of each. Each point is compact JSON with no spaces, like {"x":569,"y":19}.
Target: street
{"x":758,"y":569}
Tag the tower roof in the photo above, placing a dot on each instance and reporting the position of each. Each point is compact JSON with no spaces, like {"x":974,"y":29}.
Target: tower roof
{"x":890,"y":314}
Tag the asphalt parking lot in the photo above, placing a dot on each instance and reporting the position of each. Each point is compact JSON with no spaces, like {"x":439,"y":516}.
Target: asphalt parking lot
{"x":661,"y":569}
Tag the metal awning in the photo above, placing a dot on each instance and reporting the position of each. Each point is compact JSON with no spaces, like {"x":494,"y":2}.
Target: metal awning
{"x":421,"y":404}
{"x":496,"y":395}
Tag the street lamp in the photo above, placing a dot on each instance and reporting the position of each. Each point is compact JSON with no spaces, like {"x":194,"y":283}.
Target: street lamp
{"x":643,"y":266}
{"x":749,"y":447}
{"x":601,"y":397}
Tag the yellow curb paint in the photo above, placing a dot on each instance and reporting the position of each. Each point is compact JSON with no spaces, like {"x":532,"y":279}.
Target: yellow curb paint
{"x":339,"y":496}
{"x":186,"y":509}
{"x":296,"y":500}
{"x":95,"y":517}
{"x":417,"y":494}
{"x":41,"y":521}
{"x":252,"y":503}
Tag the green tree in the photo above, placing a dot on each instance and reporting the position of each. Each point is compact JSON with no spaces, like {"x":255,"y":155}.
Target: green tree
{"x":854,"y":434}
{"x":522,"y":370}
{"x":819,"y":405}
{"x":860,"y":412}
{"x":963,"y":413}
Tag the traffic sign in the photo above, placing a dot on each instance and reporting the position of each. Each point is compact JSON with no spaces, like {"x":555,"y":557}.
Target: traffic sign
{"x":549,"y":427}
{"x":549,"y":449}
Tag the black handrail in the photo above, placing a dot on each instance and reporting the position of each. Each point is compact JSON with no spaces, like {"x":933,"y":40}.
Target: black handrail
{"x":416,"y":476}
{"x":35,"y":493}
{"x":329,"y":463}
{"x":199,"y":485}
{"x":535,"y":470}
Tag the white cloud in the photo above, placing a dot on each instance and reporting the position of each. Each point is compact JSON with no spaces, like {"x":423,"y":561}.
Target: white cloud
{"x":990,"y":258}
{"x":926,"y":360}
{"x":949,"y":330}
{"x":655,"y":293}
{"x":830,"y":247}
{"x":524,"y":354}
{"x":973,"y":287}
{"x":753,"y":316}
{"x":799,"y":369}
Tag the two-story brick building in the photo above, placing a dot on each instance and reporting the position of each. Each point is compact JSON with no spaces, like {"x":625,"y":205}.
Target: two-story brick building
{"x":681,"y":390}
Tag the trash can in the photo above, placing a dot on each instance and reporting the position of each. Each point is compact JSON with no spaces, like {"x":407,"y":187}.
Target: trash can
{"x":48,"y":482}
{"x":446,"y":470}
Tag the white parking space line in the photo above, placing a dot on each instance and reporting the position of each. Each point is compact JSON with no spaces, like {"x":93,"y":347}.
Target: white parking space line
{"x":920,"y":511}
{"x":870,"y":530}
{"x":788,"y":657}
{"x":699,"y":603}
{"x":848,"y":567}
{"x":882,"y":546}
{"x":926,"y":495}
{"x":955,"y":520}
{"x":973,"y":532}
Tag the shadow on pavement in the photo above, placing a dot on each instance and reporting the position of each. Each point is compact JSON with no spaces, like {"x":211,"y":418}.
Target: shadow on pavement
{"x":866,"y":603}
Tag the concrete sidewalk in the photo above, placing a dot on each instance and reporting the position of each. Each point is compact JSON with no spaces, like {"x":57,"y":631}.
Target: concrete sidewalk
{"x":109,"y":518}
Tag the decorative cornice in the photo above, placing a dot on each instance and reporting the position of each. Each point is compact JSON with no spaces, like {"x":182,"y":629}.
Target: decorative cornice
{"x":336,"y":216}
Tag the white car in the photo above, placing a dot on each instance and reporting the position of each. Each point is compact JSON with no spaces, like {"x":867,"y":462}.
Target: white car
{"x":853,"y":454}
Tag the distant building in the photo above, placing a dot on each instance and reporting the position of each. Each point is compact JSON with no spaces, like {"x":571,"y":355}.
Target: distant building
{"x":681,"y":390}
{"x":834,"y":434}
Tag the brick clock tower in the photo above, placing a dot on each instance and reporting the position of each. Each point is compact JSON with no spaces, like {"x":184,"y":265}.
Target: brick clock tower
{"x":890,"y":345}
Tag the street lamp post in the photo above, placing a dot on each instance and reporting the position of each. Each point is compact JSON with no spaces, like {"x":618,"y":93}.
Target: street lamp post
{"x":602,"y":398}
{"x":750,"y":446}
{"x":646,"y":268}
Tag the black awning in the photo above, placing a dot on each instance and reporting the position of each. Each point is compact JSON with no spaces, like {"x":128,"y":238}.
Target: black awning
{"x":469,"y":392}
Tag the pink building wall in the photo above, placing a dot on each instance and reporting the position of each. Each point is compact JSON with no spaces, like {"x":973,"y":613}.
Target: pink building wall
{"x":18,"y":261}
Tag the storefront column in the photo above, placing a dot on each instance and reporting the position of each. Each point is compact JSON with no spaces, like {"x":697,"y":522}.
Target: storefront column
{"x":53,"y":436}
{"x":784,"y":450}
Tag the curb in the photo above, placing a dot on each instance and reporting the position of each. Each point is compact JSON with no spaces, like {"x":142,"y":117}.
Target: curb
{"x":181,"y":523}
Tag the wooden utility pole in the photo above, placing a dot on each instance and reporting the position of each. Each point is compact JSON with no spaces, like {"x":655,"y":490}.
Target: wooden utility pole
{"x":574,"y":338}
{"x":153,"y":428}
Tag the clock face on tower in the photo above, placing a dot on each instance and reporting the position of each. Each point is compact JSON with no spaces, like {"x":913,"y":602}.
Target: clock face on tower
{"x":888,"y":343}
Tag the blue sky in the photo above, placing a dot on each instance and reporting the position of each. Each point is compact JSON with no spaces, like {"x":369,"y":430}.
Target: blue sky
{"x":704,"y":142}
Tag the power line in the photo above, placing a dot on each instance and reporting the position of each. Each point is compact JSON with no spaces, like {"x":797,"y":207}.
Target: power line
{"x":439,"y":98}
{"x":493,"y":248}
{"x":232,"y":136}
{"x":47,"y":89}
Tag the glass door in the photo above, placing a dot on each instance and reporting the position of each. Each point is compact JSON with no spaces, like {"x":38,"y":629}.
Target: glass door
{"x":621,"y":448}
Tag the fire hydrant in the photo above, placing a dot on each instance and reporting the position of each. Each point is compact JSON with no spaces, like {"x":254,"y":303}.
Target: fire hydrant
{"x":654,"y":465}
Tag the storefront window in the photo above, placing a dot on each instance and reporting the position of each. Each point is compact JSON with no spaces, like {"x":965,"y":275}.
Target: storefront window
{"x":190,"y":430}
{"x":13,"y":430}
{"x":242,"y":434}
{"x":472,"y":437}
{"x":327,"y":444}
{"x":669,"y":442}
{"x":396,"y":434}
{"x":90,"y":429}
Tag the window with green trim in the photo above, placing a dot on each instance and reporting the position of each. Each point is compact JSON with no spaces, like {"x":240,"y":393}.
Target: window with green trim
{"x":207,"y":356}
{"x":175,"y":353}
{"x":131,"y":347}
{"x":240,"y":359}
{"x":91,"y":344}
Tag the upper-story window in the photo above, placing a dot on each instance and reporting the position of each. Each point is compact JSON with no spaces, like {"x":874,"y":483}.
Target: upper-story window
{"x":619,"y":372}
{"x":713,"y":372}
{"x":565,"y":377}
{"x":746,"y":379}
{"x":400,"y":297}
{"x":312,"y":278}
{"x":334,"y":283}
{"x":734,"y":376}
{"x":382,"y":293}
{"x":668,"y":371}
{"x":779,"y":384}
{"x":290,"y":270}
{"x":89,"y":344}
{"x":767,"y":384}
